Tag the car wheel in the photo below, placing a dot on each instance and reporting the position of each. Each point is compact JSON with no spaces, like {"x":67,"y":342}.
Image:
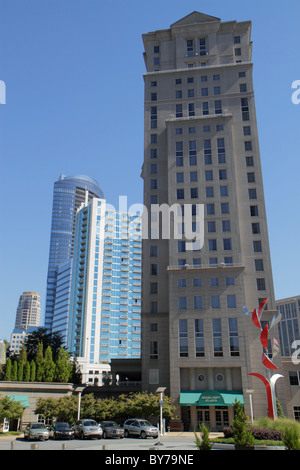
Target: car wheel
{"x":143,"y":435}
{"x":126,"y":433}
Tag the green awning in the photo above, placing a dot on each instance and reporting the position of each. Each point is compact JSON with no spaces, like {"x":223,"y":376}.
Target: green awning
{"x":210,"y":398}
{"x":22,"y":399}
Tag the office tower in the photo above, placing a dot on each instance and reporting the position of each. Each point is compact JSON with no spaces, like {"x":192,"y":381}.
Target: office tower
{"x":106,"y":285}
{"x":28,"y":310}
{"x":69,"y":193}
{"x":201,"y":151}
{"x":61,"y":309}
{"x":289,"y":343}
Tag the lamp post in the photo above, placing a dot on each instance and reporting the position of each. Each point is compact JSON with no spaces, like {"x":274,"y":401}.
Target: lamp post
{"x":251,"y":405}
{"x":80,"y":390}
{"x":161,"y":390}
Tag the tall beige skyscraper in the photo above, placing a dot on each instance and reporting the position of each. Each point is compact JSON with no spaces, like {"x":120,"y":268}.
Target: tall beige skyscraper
{"x":201,"y":152}
{"x":28,"y":311}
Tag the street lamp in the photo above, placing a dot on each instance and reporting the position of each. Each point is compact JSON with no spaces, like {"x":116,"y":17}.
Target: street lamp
{"x":80,"y":390}
{"x":251,"y":405}
{"x":161,"y":390}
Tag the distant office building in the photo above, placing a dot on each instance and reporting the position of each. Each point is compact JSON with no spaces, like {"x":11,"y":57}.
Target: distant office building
{"x":106,"y":285}
{"x":201,"y":151}
{"x":62,"y":299}
{"x":17,"y":338}
{"x":28,"y":310}
{"x":289,"y":342}
{"x":69,"y":193}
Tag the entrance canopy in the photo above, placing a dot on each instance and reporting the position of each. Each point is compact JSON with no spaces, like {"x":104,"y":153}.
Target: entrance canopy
{"x":210,"y":398}
{"x":22,"y":399}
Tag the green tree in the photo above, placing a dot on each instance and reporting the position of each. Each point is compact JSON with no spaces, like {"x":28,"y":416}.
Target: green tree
{"x":47,"y":407}
{"x":241,"y":434}
{"x":20,"y":371}
{"x":14,"y":374}
{"x":27,"y":372}
{"x":67,"y":409}
{"x":32,"y":371}
{"x":49,"y":366}
{"x":63,"y":366}
{"x":39,"y":360}
{"x":22,"y":357}
{"x":8,"y":370}
{"x":41,"y":335}
{"x":10,"y":409}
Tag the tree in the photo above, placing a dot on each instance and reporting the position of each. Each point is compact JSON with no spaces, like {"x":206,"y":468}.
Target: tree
{"x":20,"y":371}
{"x":46,"y":407}
{"x":26,"y":376}
{"x":10,"y":409}
{"x":8,"y":370}
{"x":63,"y":369}
{"x":39,"y":363}
{"x":32,"y":371}
{"x":49,"y":366}
{"x":241,"y":434}
{"x":41,"y":335}
{"x":14,"y":375}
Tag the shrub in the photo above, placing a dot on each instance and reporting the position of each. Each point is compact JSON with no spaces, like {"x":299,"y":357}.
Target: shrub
{"x":204,"y":443}
{"x":290,"y":439}
{"x":258,"y":433}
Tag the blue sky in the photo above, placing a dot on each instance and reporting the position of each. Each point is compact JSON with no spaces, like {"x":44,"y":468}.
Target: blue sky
{"x":73,"y":71}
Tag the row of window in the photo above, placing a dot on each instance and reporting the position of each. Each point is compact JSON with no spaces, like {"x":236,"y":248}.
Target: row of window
{"x":204,"y":91}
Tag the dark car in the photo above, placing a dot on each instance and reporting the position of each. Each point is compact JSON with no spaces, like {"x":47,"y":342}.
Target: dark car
{"x":62,"y":431}
{"x":112,"y":429}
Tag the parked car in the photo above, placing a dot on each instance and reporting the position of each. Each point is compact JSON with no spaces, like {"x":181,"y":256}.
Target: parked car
{"x":112,"y":429}
{"x":36,"y":431}
{"x":88,"y":428}
{"x":140,"y":427}
{"x":62,"y":431}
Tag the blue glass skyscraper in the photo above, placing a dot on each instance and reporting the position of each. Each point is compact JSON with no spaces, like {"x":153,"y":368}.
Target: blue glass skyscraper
{"x":69,"y":193}
{"x":105,"y":302}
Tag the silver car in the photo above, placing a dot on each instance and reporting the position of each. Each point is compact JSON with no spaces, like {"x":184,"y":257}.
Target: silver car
{"x":140,"y":427}
{"x":88,"y":428}
{"x":36,"y":431}
{"x":112,"y":429}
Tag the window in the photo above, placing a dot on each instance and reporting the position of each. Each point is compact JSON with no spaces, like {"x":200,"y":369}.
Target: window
{"x":153,"y":251}
{"x":153,"y":184}
{"x":205,"y":108}
{"x":247,"y":130}
{"x":210,"y":209}
{"x":202,"y":46}
{"x":217,"y":90}
{"x":237,"y":51}
{"x":248,"y":145}
{"x":191,"y":109}
{"x":231,"y":302}
{"x":214,"y":281}
{"x":153,"y":269}
{"x":181,"y":246}
{"x":221,"y":150}
{"x":255,"y":228}
{"x":224,"y":207}
{"x":261,"y":284}
{"x":233,"y":337}
{"x":204,"y":91}
{"x":192,"y":130}
{"x":194,"y":193}
{"x":223,"y":174}
{"x":215,"y":301}
{"x":227,"y":245}
{"x":180,"y":193}
{"x":252,"y":193}
{"x":156,"y":49}
{"x":212,"y":245}
{"x":226,"y":226}
{"x":257,"y":247}
{"x":153,"y":349}
{"x":197,"y":282}
{"x":153,"y":96}
{"x":153,"y":117}
{"x":206,"y":128}
{"x":218,"y":107}
{"x":179,"y":177}
{"x":153,"y":288}
{"x":153,"y":307}
{"x":178,"y":94}
{"x":236,"y":39}
{"x":208,"y":175}
{"x":183,"y":338}
{"x":190,"y":48}
{"x":193,"y":176}
{"x":153,"y":153}
{"x":197,"y":302}
{"x":192,"y":153}
{"x":216,"y":77}
{"x":182,"y":303}
{"x":203,"y":78}
{"x":181,"y":283}
{"x":207,"y":151}
{"x":178,"y":110}
{"x":249,"y":161}
{"x":211,"y":226}
{"x":259,"y":265}
{"x":217,"y":337}
{"x":254,"y":211}
{"x":153,"y":327}
{"x":251,"y":177}
{"x":199,"y":337}
{"x":245,"y":109}
{"x":229,"y":281}
{"x":242,"y":74}
{"x":243,"y":87}
{"x":191,"y":93}
{"x":223,"y":191}
{"x":178,"y":81}
{"x":209,"y":190}
{"x":153,"y":138}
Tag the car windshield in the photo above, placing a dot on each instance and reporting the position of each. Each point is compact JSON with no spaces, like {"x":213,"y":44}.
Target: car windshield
{"x":111,"y":424}
{"x":62,"y":425}
{"x":38,"y":426}
{"x":90,"y":422}
{"x":144,"y":423}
